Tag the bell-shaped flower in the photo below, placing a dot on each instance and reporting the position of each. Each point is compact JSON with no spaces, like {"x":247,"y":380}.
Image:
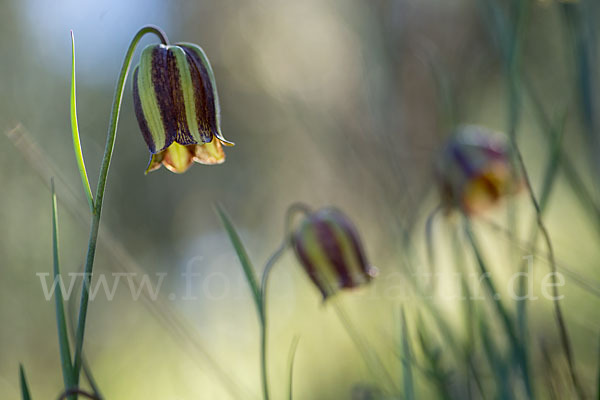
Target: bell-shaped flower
{"x":475,"y":170}
{"x":329,"y":248}
{"x":177,"y":107}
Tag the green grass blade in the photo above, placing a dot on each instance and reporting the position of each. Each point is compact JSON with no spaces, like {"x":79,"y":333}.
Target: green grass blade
{"x":290,"y":363}
{"x":75,"y":132}
{"x":257,"y":292}
{"x":242,"y":256}
{"x":433,"y":354}
{"x":24,"y":387}
{"x":516,"y":346}
{"x":598,"y":377}
{"x":497,"y":363}
{"x":407,"y":375}
{"x":63,"y":339}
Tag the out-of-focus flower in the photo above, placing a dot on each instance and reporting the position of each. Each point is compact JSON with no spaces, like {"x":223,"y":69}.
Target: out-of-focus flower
{"x":177,"y":107}
{"x":330,"y":250}
{"x":474,"y":170}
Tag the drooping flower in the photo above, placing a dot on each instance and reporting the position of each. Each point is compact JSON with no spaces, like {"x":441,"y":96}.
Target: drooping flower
{"x":329,"y":248}
{"x":475,"y":171}
{"x":177,"y":107}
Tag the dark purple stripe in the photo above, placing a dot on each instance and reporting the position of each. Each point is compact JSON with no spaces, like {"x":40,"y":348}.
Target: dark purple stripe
{"x":308,"y":265}
{"x":203,"y":96}
{"x":462,"y":160}
{"x":137,"y":104}
{"x":326,"y":237}
{"x":161,"y":83}
{"x":472,"y":173}
{"x":183,"y":135}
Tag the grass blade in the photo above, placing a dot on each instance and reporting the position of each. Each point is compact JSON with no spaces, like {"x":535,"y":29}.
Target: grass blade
{"x":291,"y":359}
{"x":75,"y":132}
{"x":257,"y":291}
{"x":507,"y":323}
{"x":497,"y":363}
{"x":61,"y":324}
{"x":24,"y":387}
{"x":432,"y":355}
{"x":598,"y":377}
{"x":242,"y":256}
{"x":407,"y":375}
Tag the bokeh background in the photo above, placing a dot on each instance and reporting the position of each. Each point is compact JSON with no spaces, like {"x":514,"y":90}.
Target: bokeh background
{"x":341,"y":102}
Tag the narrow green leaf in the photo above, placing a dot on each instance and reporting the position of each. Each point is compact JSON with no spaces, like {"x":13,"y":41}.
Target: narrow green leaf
{"x":75,"y":132}
{"x":24,"y":387}
{"x":598,"y":377}
{"x":63,"y":339}
{"x":407,"y":375}
{"x":290,"y":363}
{"x":433,"y":355}
{"x":242,"y":256}
{"x":518,"y":351}
{"x":497,"y":363}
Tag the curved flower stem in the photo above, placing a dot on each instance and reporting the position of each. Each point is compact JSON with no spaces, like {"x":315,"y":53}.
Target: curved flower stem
{"x":97,"y":210}
{"x":560,"y":321}
{"x":291,"y":211}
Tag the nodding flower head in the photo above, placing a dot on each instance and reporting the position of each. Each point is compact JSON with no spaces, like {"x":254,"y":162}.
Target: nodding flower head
{"x":329,"y":248}
{"x":177,"y":107}
{"x":474,"y":170}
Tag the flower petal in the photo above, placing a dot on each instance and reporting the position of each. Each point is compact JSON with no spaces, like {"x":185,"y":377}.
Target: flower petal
{"x":178,"y":158}
{"x":155,"y":97}
{"x":209,"y":153}
{"x":206,"y":97}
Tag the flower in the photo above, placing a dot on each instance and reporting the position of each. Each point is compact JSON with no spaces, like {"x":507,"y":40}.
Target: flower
{"x":177,"y":107}
{"x":475,"y":171}
{"x":329,"y":248}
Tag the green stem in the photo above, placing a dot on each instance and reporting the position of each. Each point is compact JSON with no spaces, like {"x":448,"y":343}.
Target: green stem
{"x":110,"y":142}
{"x":562,"y":328}
{"x":292,"y":210}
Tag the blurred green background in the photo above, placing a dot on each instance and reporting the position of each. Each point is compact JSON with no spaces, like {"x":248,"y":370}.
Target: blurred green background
{"x":329,"y":102}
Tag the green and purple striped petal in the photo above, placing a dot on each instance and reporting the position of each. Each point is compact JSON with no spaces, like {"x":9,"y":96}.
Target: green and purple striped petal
{"x":175,"y":97}
{"x":329,"y":248}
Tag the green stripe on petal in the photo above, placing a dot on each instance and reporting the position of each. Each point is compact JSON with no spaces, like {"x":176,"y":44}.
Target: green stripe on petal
{"x":149,"y":101}
{"x":325,"y":273}
{"x":213,"y":83}
{"x":187,"y":88}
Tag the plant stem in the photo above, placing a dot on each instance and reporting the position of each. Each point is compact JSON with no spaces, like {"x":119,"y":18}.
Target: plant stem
{"x":562,"y":328}
{"x":97,"y":210}
{"x":291,"y":211}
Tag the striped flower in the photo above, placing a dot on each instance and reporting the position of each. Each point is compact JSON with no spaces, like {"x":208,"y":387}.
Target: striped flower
{"x":475,"y":171}
{"x":329,"y":248}
{"x":177,"y":107}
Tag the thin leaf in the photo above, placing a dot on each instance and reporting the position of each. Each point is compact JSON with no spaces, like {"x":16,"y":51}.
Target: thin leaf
{"x":291,"y":359}
{"x":433,"y":357}
{"x":24,"y":387}
{"x":598,"y":377}
{"x":75,"y":132}
{"x":407,"y":375}
{"x":61,"y":324}
{"x":497,"y":363}
{"x":242,"y":256}
{"x":507,"y":322}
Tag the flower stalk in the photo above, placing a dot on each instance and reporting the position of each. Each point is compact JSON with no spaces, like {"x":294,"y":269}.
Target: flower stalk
{"x":97,"y":203}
